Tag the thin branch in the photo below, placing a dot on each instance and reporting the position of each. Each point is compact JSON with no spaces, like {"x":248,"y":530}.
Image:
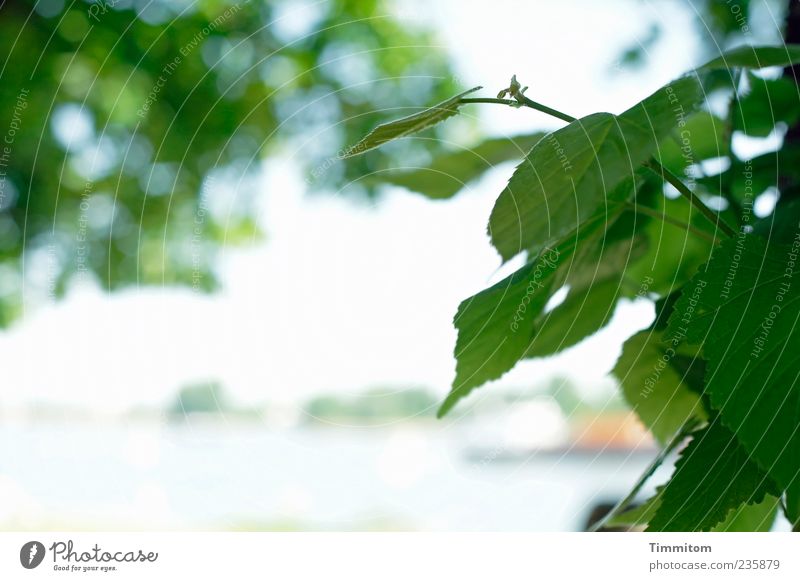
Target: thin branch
{"x":525,"y":102}
{"x":548,"y":110}
{"x":684,"y":190}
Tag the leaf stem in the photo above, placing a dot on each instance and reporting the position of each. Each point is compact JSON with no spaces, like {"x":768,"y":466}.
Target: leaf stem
{"x":640,"y":209}
{"x":684,"y":190}
{"x":523,"y":102}
{"x":687,"y":428}
{"x":545,"y":109}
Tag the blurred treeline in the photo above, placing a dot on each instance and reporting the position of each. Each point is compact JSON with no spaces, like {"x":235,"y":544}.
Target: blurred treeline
{"x":133,"y":129}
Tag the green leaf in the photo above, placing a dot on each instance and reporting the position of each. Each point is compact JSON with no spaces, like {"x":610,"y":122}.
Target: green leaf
{"x":768,"y":102}
{"x":638,"y":515}
{"x":713,"y":476}
{"x":744,"y":308}
{"x":584,"y":312}
{"x":612,"y":252}
{"x":755,"y":518}
{"x":494,"y":326}
{"x":407,"y":125}
{"x":595,"y":281}
{"x":449,"y":172}
{"x":566,"y":177}
{"x":793,"y":504}
{"x":663,"y":111}
{"x":672,"y":254}
{"x":780,"y":227}
{"x":652,"y":386}
{"x":703,"y":136}
{"x":497,"y":327}
{"x":755,"y":57}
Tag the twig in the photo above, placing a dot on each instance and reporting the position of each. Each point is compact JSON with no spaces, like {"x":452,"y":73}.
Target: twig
{"x":684,"y":190}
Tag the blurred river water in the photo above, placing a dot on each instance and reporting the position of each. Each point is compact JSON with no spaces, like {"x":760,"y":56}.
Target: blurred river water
{"x":233,"y":476}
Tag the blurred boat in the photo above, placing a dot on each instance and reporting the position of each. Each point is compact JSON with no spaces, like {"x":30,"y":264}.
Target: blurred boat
{"x":609,"y":434}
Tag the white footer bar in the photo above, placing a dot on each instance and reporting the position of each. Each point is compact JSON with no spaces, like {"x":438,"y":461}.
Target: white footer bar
{"x":399,"y":556}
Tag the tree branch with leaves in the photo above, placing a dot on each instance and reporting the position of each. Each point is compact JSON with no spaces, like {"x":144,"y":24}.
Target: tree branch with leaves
{"x":586,"y":207}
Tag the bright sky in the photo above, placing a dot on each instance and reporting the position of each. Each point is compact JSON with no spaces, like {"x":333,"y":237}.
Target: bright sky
{"x":340,"y":296}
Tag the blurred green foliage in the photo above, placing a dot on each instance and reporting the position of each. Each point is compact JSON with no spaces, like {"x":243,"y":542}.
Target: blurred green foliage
{"x":719,"y":25}
{"x":137,"y":128}
{"x":376,"y":405}
{"x":203,"y":397}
